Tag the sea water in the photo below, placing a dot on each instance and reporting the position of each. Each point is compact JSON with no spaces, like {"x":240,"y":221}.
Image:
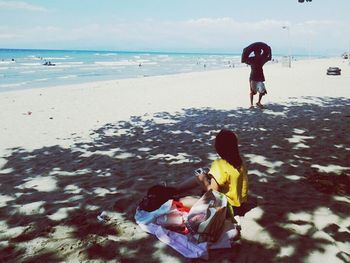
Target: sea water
{"x":25,"y":69}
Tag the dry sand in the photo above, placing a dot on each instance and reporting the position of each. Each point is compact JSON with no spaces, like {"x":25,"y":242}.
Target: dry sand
{"x":68,"y":153}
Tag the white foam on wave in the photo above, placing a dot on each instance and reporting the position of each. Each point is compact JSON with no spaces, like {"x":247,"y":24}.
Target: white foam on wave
{"x":96,"y":67}
{"x":68,"y":77}
{"x":56,"y":58}
{"x":106,"y":54}
{"x":74,"y":63}
{"x":7,"y":62}
{"x":30,"y":64}
{"x":166,"y":58}
{"x":67,"y":64}
{"x":28,"y":71}
{"x":149,"y":63}
{"x":142,"y":60}
{"x":13,"y":85}
{"x":59,"y":65}
{"x":34,"y":57}
{"x":116,"y":63}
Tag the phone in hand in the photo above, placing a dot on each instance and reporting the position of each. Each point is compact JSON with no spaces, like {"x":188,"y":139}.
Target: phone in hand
{"x":200,"y":171}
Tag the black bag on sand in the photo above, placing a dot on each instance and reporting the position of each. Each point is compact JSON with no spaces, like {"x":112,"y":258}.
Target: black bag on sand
{"x":156,"y":196}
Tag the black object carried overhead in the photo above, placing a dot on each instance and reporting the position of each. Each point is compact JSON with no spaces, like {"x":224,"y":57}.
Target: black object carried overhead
{"x":333,"y":71}
{"x":259,"y":48}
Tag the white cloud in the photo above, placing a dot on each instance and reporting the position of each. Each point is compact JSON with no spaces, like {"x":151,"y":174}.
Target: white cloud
{"x":7,"y":37}
{"x":200,"y":34}
{"x":16,"y":5}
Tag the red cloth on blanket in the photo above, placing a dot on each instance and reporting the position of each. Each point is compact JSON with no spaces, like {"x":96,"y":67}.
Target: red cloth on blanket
{"x":180,"y":206}
{"x":174,"y":220}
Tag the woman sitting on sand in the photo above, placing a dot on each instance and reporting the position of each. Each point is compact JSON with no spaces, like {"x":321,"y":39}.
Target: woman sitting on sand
{"x":227,"y":175}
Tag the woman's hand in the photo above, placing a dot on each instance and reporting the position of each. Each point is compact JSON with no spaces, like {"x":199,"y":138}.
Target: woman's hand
{"x":206,"y":183}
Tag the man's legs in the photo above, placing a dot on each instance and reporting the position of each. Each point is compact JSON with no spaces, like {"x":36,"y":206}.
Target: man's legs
{"x":262,"y":91}
{"x":259,"y":101}
{"x":252,"y":92}
{"x":251,"y":99}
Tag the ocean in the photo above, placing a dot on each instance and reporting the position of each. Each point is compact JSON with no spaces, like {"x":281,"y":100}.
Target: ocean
{"x":28,"y":68}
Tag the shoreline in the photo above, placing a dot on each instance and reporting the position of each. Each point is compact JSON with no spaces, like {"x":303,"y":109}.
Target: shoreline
{"x":105,"y":68}
{"x":335,"y":61}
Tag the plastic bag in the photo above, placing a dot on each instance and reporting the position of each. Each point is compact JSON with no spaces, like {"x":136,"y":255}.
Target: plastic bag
{"x":207,"y":216}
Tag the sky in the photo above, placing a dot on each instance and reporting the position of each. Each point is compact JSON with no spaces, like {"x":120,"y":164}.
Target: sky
{"x":219,"y":26}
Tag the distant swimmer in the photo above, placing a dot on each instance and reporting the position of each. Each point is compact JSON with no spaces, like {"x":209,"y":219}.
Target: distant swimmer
{"x":48,"y":63}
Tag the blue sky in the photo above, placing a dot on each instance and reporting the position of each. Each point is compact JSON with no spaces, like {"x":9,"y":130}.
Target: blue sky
{"x":317,"y":27}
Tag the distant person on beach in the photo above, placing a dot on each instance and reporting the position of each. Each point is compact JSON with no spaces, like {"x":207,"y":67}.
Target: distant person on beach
{"x":262,"y":54}
{"x":228,"y":174}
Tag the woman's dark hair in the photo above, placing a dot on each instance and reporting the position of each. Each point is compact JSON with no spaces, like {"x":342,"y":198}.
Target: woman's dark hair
{"x":226,"y":146}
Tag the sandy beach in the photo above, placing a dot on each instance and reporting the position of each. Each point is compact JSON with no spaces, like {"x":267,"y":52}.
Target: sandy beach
{"x":68,"y":153}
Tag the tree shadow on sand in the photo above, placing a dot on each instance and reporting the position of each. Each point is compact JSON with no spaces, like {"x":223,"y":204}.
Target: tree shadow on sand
{"x":297,"y":157}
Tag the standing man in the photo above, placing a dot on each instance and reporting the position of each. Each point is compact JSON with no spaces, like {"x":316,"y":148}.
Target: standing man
{"x":262,"y":54}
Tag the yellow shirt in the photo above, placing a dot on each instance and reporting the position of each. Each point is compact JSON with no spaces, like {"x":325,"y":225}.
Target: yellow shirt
{"x":232,"y":182}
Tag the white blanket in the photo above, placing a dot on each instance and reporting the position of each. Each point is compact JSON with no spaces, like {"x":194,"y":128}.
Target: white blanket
{"x":179,"y":242}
